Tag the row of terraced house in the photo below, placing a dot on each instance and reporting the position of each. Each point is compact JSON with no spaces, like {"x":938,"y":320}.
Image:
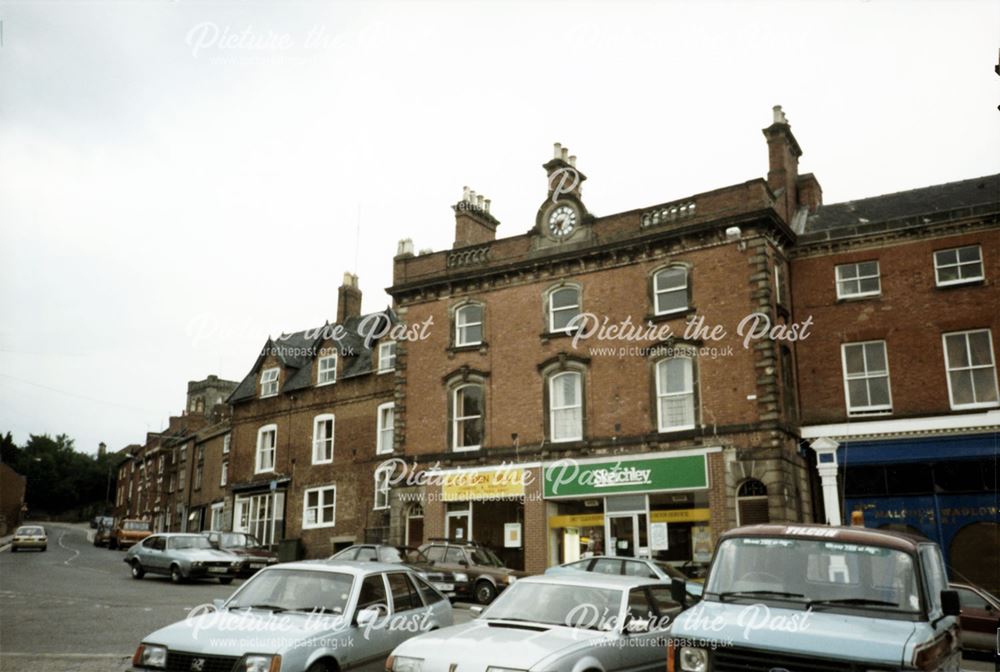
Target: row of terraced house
{"x":632,"y":383}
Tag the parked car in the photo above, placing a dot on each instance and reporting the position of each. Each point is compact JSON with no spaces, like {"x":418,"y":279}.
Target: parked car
{"x":980,"y":618}
{"x":449,"y":583}
{"x":487,"y":574}
{"x":105,"y":530}
{"x":836,"y":598}
{"x":129,"y":532}
{"x":181,"y":557}
{"x":554,"y":623}
{"x":611,"y":565}
{"x":333,"y":616}
{"x":29,"y":536}
{"x":256,"y":555}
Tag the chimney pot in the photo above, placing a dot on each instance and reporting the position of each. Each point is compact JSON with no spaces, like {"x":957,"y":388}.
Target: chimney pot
{"x":565,"y":153}
{"x":487,"y":204}
{"x":572,"y":160}
{"x":556,"y":150}
{"x":405,"y":247}
{"x":465,"y":193}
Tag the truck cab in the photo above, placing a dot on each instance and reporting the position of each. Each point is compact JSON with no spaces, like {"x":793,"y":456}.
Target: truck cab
{"x":791,"y":597}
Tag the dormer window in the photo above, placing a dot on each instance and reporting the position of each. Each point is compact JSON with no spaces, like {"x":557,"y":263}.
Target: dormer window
{"x":469,"y":325}
{"x":327,"y":370}
{"x":269,"y":382}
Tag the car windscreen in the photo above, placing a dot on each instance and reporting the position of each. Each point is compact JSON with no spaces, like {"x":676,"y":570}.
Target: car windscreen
{"x":236,"y":539}
{"x":296,"y":590}
{"x":188,"y":542}
{"x":30,"y":532}
{"x":397,"y":554}
{"x":818,"y":572}
{"x":484,"y":556}
{"x":572,"y":606}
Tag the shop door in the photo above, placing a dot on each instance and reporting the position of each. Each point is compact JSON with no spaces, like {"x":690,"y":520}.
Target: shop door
{"x":459,"y":526}
{"x":414,"y":530}
{"x":626,"y":535}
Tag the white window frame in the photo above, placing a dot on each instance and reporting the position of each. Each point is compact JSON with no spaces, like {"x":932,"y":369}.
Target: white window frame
{"x":382,"y":476}
{"x":460,"y":324}
{"x":322,"y":503}
{"x":321,"y":372}
{"x":948,"y":368}
{"x":269,"y":378}
{"x":457,"y":419}
{"x":227,"y":443}
{"x":553,"y":409}
{"x":318,"y":422}
{"x":683,"y":288}
{"x":959,"y":264}
{"x":873,"y":409}
{"x":224,"y":474}
{"x":578,"y":307}
{"x":380,"y":447}
{"x":386,"y":357}
{"x":257,"y":468}
{"x":215,"y":521}
{"x":661,"y":425}
{"x":838,"y":280}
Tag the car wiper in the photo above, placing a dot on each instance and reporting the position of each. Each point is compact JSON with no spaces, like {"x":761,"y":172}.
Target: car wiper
{"x":270,"y":607}
{"x":317,"y":610}
{"x":746,"y":593}
{"x":859,"y":601}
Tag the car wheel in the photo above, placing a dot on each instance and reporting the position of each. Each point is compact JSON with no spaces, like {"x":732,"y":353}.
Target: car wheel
{"x":13,"y":549}
{"x":485,"y":592}
{"x":137,"y":571}
{"x":112,"y":545}
{"x":175,"y":574}
{"x":322,"y":666}
{"x":44,"y":548}
{"x":225,"y":580}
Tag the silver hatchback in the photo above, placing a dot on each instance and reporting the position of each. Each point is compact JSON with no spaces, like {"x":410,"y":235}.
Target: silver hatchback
{"x":302,"y":617}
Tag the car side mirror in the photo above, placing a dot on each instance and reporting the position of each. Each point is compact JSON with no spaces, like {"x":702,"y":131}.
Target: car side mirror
{"x":678,"y":591}
{"x":950,"y":604}
{"x":368,"y":615}
{"x":475,"y":611}
{"x":217,"y":603}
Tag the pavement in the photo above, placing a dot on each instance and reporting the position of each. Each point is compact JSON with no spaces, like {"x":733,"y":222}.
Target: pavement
{"x":75,"y":607}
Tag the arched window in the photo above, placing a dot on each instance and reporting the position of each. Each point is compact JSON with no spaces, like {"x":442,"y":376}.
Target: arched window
{"x":566,"y":406}
{"x":751,"y":503}
{"x":675,"y":398}
{"x":469,"y":325}
{"x":563,"y":304}
{"x":467,"y":417}
{"x":671,"y":290}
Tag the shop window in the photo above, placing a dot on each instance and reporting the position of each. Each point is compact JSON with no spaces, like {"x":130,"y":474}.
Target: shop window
{"x":909,"y":479}
{"x":864,"y":481}
{"x":965,"y":476}
{"x":751,"y":503}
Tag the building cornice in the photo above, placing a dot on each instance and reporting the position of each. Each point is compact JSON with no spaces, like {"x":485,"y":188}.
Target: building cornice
{"x":942,"y":425}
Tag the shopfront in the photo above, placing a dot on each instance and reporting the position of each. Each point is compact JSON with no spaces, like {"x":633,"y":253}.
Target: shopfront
{"x":261,"y":513}
{"x":653,"y":506}
{"x":487,"y":506}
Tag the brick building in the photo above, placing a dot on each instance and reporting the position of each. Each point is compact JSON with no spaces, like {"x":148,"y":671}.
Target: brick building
{"x":309,"y":421}
{"x":898,"y":381}
{"x":677,"y":433}
{"x":12,"y":489}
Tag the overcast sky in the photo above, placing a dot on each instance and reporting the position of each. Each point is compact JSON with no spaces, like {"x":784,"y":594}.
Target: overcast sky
{"x":180,"y":179}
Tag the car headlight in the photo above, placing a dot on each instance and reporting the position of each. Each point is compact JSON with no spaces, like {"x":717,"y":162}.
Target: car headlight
{"x":236,"y":563}
{"x":148,"y":655}
{"x":256,"y":662}
{"x":404,"y":664}
{"x":510,"y":579}
{"x":693,"y":660}
{"x":461,"y":578}
{"x":197,"y":563}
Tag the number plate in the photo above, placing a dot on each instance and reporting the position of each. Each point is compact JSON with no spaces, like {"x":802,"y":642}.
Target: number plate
{"x":446,"y":587}
{"x":218,"y":570}
{"x":256,"y":565}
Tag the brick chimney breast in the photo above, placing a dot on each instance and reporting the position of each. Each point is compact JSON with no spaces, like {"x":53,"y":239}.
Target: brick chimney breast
{"x":348,"y":298}
{"x":474,"y":225}
{"x":783,"y":164}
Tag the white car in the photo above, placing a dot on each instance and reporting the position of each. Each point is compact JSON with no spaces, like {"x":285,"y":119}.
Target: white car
{"x":554,"y":623}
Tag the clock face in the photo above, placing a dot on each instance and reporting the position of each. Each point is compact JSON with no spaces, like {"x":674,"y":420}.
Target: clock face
{"x":562,"y":221}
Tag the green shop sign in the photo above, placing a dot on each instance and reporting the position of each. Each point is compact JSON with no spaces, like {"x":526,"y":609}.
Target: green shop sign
{"x":570,"y":478}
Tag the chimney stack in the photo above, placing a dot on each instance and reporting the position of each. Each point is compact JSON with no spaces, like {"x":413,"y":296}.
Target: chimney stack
{"x":562,"y":174}
{"x":348,"y":299}
{"x":783,"y":164}
{"x":474,"y":225}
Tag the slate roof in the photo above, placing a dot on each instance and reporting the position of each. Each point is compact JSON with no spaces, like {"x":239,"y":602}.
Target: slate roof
{"x":939,"y":198}
{"x":297,"y":351}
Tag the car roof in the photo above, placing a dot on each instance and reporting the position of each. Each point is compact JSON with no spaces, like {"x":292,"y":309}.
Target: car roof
{"x":591,"y":579}
{"x":901,"y":541}
{"x":613,"y":557}
{"x":177,"y":534}
{"x":354,"y":567}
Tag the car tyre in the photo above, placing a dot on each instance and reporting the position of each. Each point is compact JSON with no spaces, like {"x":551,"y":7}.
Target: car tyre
{"x":13,"y":549}
{"x":175,"y":574}
{"x":137,"y":571}
{"x":44,"y":548}
{"x":322,"y":666}
{"x":225,"y":580}
{"x":485,"y":592}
